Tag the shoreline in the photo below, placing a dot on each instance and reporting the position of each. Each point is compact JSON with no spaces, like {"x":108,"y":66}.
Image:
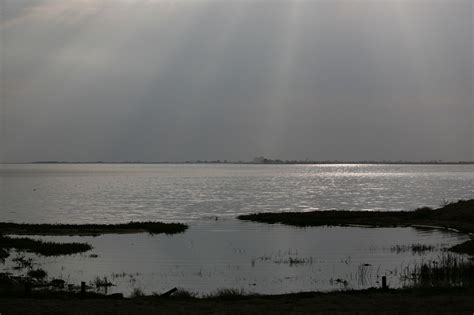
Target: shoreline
{"x":250,"y":163}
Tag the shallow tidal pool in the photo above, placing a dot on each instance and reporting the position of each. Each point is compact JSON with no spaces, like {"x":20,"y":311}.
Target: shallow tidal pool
{"x":260,"y":258}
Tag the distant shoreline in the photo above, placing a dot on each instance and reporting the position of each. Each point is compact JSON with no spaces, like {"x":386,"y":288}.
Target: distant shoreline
{"x":258,"y":163}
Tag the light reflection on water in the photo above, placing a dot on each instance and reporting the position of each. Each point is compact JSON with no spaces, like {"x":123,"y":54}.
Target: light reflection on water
{"x":117,"y":193}
{"x":255,"y":257}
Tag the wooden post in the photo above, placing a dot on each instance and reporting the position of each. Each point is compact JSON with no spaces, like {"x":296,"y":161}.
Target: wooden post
{"x":83,"y":288}
{"x":384,"y":283}
{"x":27,"y":288}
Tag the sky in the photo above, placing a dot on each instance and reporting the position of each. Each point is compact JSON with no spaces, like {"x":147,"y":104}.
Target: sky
{"x":176,"y":80}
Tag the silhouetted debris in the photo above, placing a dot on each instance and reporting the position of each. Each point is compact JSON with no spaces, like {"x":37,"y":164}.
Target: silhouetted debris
{"x":169,"y":292}
{"x":3,"y":254}
{"x":37,"y":274}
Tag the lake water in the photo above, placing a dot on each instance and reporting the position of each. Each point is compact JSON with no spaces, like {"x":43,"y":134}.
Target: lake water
{"x":118,"y":193}
{"x":219,"y":251}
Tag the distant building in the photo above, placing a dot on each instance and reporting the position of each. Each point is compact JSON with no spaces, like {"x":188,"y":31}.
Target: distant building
{"x":259,"y":160}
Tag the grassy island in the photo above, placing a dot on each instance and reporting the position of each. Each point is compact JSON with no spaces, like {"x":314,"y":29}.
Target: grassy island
{"x":40,"y":247}
{"x":55,"y":249}
{"x":91,"y":229}
{"x":457,"y":215}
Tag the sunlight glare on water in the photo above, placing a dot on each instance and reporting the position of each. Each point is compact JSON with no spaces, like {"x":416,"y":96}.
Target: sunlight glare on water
{"x":181,"y":192}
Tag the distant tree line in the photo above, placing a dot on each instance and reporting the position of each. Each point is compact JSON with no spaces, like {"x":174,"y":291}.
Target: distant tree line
{"x":264,"y":160}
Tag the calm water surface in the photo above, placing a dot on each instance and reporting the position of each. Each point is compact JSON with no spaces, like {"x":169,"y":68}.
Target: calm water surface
{"x":251,"y":256}
{"x":219,"y":251}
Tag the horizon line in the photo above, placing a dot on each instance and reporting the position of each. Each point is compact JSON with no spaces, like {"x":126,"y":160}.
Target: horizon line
{"x":266,"y":162}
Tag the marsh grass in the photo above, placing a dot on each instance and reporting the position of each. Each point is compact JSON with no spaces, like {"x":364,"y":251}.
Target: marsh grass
{"x":102,"y":283}
{"x":293,"y":261}
{"x":288,"y":257}
{"x":458,"y":215}
{"x":91,"y":229}
{"x":414,"y":248}
{"x":119,"y":275}
{"x":22,"y":262}
{"x":42,"y":247}
{"x":227,"y":293}
{"x":450,"y":270}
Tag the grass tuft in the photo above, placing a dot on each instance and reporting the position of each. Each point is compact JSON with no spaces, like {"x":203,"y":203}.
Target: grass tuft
{"x":37,"y":274}
{"x":226,"y":293}
{"x":415,"y":248}
{"x":450,"y":270}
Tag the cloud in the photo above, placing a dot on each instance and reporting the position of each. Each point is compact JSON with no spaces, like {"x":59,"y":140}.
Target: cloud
{"x":160,"y":80}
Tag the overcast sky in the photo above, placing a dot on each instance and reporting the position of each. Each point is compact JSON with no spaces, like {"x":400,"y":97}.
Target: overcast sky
{"x":197,"y":79}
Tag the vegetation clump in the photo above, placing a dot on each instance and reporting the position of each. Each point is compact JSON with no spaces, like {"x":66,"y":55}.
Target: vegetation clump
{"x":287,"y":258}
{"x":3,"y":254}
{"x":91,"y":229}
{"x":226,"y":293}
{"x":102,"y":283}
{"x":415,"y":248}
{"x":459,"y":215}
{"x":42,"y":247}
{"x":448,"y":271}
{"x":37,"y":274}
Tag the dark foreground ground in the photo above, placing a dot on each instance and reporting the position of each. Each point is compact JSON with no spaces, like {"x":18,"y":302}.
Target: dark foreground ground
{"x":453,"y":301}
